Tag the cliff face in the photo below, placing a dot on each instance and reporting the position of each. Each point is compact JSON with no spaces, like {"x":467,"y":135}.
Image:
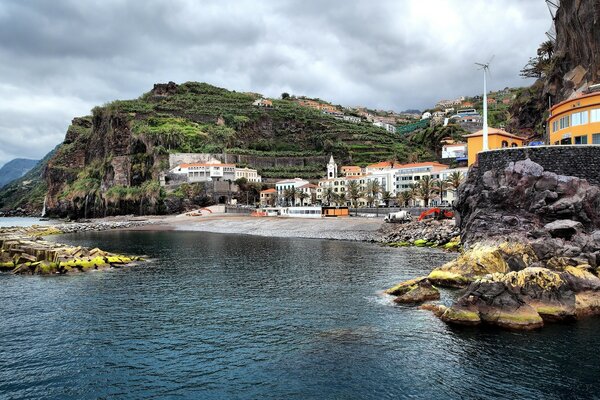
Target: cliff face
{"x":574,"y":66}
{"x":110,"y":162}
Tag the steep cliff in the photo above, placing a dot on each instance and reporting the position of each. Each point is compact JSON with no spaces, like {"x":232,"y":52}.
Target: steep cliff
{"x":573,"y":66}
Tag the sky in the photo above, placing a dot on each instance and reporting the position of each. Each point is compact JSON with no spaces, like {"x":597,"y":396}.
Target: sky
{"x":61,"y":58}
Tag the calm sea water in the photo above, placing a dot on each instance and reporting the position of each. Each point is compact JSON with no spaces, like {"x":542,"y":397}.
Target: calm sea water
{"x":22,"y":221}
{"x":240,"y":317}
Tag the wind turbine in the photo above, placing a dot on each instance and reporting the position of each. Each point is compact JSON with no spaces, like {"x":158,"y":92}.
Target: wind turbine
{"x":486,"y":70}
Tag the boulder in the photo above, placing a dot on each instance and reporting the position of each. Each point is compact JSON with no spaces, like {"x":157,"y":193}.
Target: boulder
{"x":481,"y":260}
{"x":563,"y":228}
{"x":414,"y":291}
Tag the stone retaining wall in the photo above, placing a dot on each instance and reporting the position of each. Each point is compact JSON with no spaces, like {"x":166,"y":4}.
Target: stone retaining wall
{"x":581,"y":161}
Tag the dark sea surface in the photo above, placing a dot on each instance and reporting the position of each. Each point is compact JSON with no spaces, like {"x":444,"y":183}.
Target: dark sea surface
{"x":239,"y":317}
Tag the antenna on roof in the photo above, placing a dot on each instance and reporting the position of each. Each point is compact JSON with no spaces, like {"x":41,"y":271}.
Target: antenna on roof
{"x":486,"y":70}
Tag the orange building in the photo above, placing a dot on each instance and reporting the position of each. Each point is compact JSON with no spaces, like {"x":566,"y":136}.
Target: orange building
{"x":497,"y":139}
{"x":576,"y":121}
{"x":351,"y":170}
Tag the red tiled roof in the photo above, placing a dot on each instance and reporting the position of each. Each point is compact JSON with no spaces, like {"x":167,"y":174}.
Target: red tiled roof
{"x":269,"y":191}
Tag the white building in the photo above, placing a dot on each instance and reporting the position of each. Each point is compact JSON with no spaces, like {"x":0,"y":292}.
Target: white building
{"x":388,"y":127}
{"x":426,"y":115}
{"x":204,"y":172}
{"x":250,"y":174}
{"x":351,"y":118}
{"x":286,"y":184}
{"x":455,"y":150}
{"x":215,"y":171}
{"x":332,"y":169}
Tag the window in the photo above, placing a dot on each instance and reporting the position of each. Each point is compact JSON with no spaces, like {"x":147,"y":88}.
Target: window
{"x":513,"y":145}
{"x":564,"y":122}
{"x":554,"y":126}
{"x":504,"y":144}
{"x":566,"y":141}
{"x":581,"y":139}
{"x":596,"y":138}
{"x":579,"y":118}
{"x":595,"y":115}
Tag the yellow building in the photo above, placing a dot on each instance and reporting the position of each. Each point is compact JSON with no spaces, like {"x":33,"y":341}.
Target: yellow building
{"x":576,"y":121}
{"x":497,"y":139}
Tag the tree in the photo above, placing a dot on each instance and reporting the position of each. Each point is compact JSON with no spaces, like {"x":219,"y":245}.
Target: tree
{"x":285,"y":96}
{"x":290,"y":196}
{"x":426,"y":189}
{"x":354,"y":193}
{"x":373,"y":189}
{"x":405,"y":197}
{"x":329,"y":195}
{"x":540,"y":65}
{"x":386,"y":197}
{"x":454,"y":180}
{"x":439,"y":186}
{"x":303,"y":196}
{"x":341,"y":199}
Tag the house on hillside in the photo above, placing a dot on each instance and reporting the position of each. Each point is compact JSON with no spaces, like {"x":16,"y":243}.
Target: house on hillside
{"x":263,"y":103}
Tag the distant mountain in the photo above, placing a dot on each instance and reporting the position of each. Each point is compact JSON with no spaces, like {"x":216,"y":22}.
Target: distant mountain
{"x":28,"y":191}
{"x":15,"y":169}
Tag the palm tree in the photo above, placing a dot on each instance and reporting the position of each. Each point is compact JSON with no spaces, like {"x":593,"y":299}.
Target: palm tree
{"x":426,"y":189}
{"x":386,"y":197}
{"x":405,"y":197}
{"x":303,"y":196}
{"x":354,"y":192}
{"x":439,"y":186}
{"x":290,"y":195}
{"x":373,"y":189}
{"x":329,"y":195}
{"x":454,"y":180}
{"x":413,"y":188}
{"x":341,"y":199}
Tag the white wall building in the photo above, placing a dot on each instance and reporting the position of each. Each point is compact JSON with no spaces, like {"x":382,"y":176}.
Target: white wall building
{"x":388,"y":127}
{"x":455,"y":150}
{"x":286,"y":184}
{"x":204,"y":172}
{"x":250,"y":174}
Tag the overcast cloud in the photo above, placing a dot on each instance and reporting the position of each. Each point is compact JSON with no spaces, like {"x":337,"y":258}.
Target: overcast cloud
{"x":60,"y":58}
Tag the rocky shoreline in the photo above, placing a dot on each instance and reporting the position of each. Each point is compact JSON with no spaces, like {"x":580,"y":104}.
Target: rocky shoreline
{"x":426,"y":233}
{"x":24,"y":252}
{"x":532,"y":251}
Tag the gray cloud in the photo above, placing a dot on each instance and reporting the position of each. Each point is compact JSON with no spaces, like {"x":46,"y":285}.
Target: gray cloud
{"x":62,"y":58}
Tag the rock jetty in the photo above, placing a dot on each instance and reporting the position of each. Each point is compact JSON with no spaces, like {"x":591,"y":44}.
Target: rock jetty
{"x":426,"y":233}
{"x":531,"y":249}
{"x":23,"y":251}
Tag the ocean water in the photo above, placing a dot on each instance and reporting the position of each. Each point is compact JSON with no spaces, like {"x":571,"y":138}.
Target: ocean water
{"x":239,"y":317}
{"x":22,"y":221}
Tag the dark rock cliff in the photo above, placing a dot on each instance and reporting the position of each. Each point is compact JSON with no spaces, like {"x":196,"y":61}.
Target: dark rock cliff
{"x":574,"y":66}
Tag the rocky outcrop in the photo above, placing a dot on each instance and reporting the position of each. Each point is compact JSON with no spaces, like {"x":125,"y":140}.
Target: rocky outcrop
{"x":22,"y":251}
{"x":526,"y":299}
{"x":523,"y":202}
{"x":430,"y":233}
{"x":532,"y":249}
{"x":414,"y":291}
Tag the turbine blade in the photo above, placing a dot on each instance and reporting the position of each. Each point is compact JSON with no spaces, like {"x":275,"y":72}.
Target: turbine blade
{"x":491,"y":59}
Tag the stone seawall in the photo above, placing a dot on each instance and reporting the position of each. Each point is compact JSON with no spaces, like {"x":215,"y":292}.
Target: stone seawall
{"x":581,"y":161}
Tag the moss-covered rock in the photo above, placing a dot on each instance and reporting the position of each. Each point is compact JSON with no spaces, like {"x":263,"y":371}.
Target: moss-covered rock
{"x":481,"y":260}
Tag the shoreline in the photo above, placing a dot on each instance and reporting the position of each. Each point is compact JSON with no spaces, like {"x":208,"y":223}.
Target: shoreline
{"x":350,"y":228}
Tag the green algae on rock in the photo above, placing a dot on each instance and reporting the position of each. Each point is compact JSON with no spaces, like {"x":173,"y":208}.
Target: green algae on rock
{"x":22,"y":251}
